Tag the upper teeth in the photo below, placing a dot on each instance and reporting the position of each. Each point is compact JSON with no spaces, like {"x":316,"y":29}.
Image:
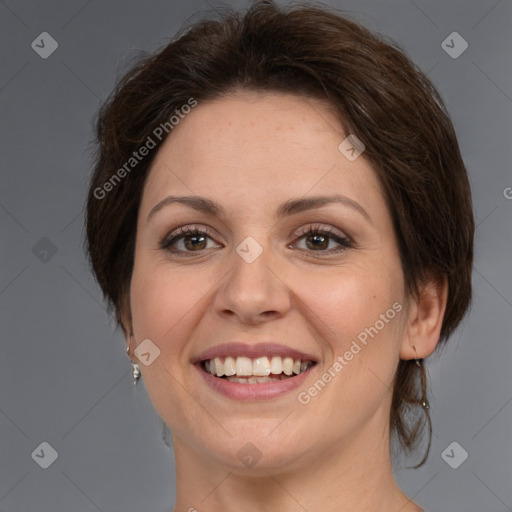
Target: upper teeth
{"x":259,"y":367}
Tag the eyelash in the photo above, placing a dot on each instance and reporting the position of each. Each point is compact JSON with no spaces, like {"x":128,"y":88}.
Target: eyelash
{"x":167,"y":243}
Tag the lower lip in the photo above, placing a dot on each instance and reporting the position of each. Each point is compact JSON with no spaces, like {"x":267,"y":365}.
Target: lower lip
{"x":263,"y":391}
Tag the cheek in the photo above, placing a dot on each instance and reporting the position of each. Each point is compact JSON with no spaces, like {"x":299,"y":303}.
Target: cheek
{"x":359,"y":313}
{"x":350,"y":299}
{"x":166,"y":304}
{"x":161,"y":299}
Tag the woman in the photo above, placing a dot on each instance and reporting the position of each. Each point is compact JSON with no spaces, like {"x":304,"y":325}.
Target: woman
{"x":281,"y":219}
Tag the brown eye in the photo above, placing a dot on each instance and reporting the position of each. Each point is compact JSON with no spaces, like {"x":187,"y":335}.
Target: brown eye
{"x":317,"y":241}
{"x":194,"y":242}
{"x":187,"y":240}
{"x":322,"y":240}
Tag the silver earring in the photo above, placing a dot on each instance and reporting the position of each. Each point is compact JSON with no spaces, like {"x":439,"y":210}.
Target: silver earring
{"x":135,"y":373}
{"x":135,"y":368}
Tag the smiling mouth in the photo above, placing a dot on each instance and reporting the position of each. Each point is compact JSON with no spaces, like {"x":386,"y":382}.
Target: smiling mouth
{"x":259,"y":370}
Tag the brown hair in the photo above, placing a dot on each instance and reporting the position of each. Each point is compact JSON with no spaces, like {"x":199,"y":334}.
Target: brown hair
{"x":377,"y":93}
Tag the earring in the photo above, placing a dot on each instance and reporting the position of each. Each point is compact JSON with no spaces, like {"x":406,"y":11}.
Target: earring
{"x":423,"y":381}
{"x":136,"y":373}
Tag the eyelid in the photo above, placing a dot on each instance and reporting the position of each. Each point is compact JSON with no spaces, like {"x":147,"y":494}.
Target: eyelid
{"x":326,"y":228}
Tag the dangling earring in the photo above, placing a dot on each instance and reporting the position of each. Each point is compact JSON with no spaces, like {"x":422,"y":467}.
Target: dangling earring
{"x":423,"y":381}
{"x":136,"y":373}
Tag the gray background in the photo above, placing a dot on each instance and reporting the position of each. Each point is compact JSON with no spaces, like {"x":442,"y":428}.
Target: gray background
{"x":64,"y":377}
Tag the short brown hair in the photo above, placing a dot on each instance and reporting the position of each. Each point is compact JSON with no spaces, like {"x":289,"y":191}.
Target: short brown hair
{"x":377,"y":93}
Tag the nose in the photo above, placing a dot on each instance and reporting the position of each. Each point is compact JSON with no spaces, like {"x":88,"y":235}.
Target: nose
{"x":253,"y":293}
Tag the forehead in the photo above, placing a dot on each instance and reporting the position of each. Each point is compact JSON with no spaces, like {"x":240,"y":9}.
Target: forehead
{"x":254,"y":149}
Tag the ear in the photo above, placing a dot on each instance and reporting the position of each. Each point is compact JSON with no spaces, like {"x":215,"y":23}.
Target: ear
{"x":426,"y":313}
{"x":125,"y":320}
{"x":130,"y":346}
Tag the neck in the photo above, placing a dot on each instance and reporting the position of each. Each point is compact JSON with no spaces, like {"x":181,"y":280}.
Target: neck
{"x":357,"y":477}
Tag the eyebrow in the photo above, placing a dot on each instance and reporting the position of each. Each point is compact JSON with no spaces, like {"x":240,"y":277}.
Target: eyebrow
{"x":290,"y":207}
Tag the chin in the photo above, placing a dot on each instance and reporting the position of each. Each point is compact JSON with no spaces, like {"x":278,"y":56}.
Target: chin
{"x":259,"y":449}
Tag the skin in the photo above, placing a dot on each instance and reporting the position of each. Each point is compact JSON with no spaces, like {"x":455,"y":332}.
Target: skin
{"x":250,"y":152}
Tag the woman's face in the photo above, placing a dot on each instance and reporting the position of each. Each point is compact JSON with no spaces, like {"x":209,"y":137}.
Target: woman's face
{"x":246,"y":281}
